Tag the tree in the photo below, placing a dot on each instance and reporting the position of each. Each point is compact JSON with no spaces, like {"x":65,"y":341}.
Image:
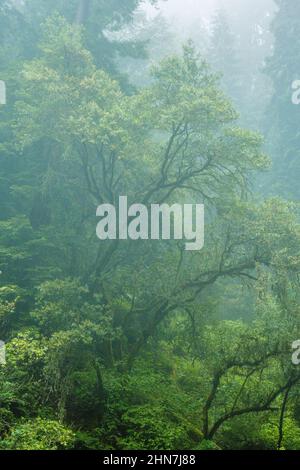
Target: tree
{"x":96,"y":17}
{"x":124,"y":341}
{"x":223,"y":55}
{"x":100,"y":154}
{"x":239,"y":46}
{"x":282,"y":115}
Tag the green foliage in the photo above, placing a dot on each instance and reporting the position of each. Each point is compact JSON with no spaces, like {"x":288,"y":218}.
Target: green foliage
{"x":38,"y":434}
{"x":291,"y":431}
{"x":137,"y":345}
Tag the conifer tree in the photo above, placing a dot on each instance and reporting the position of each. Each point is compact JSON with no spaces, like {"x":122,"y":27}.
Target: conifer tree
{"x":282,"y":119}
{"x":223,"y":54}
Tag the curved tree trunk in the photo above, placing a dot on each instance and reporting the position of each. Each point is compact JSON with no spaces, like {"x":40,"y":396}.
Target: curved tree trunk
{"x":281,"y":419}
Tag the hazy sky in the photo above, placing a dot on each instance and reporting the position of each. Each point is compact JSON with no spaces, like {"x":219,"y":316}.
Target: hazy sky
{"x":187,"y":10}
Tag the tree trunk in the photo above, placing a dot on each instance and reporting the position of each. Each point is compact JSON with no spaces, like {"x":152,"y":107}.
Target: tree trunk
{"x":82,"y":11}
{"x":281,"y":419}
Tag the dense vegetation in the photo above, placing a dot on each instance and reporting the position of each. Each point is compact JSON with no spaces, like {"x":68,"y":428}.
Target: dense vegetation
{"x":140,"y":344}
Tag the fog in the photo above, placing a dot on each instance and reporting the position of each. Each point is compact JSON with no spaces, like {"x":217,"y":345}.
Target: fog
{"x":185,"y":12}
